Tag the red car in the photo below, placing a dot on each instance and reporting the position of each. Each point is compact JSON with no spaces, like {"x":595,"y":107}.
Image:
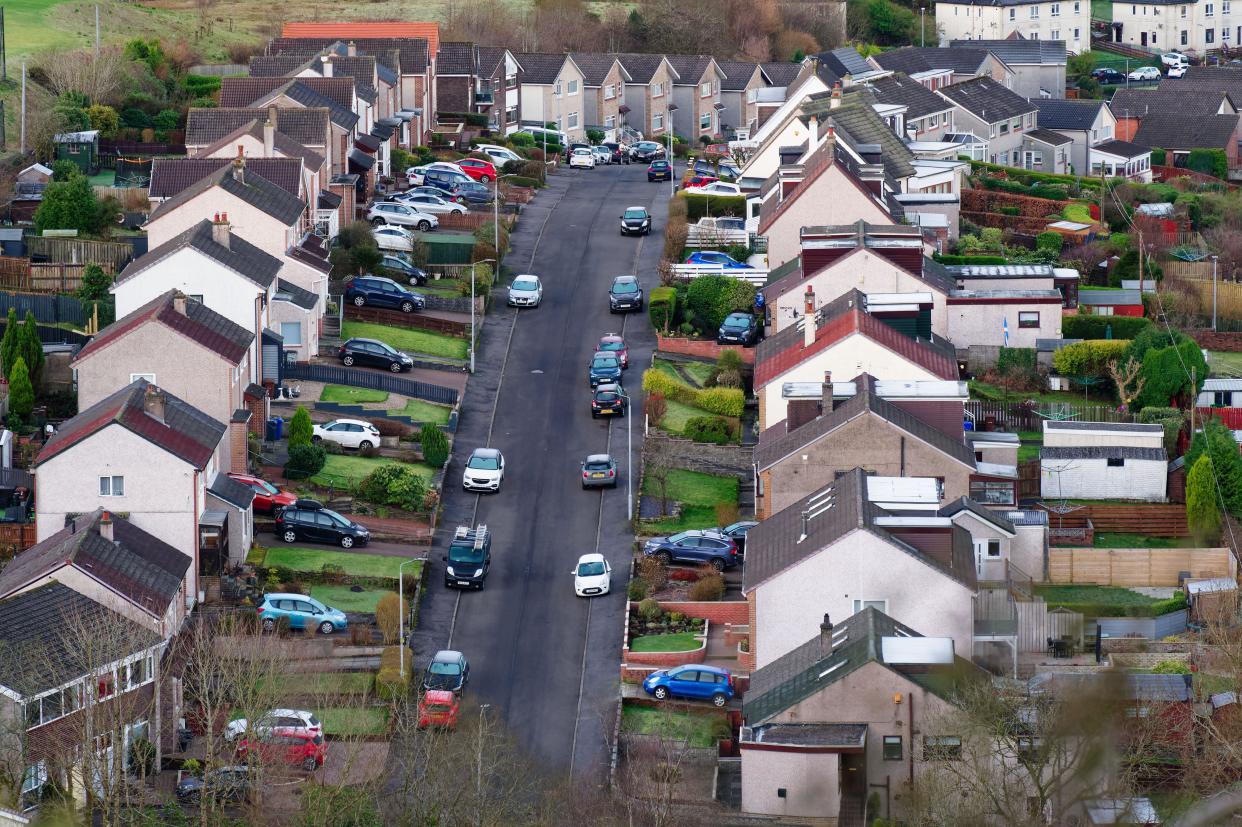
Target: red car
{"x":438,"y":708}
{"x":478,"y":169}
{"x":692,"y":181}
{"x":267,"y":497}
{"x":613,"y":343}
{"x":295,"y":749}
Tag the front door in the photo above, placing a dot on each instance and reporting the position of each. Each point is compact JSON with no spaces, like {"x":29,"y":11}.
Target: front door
{"x":853,"y":784}
{"x":1143,"y":38}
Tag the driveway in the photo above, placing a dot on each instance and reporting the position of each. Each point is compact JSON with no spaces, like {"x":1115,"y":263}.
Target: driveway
{"x":545,"y":659}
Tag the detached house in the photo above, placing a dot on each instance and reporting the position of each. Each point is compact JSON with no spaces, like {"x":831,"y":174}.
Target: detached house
{"x":648,"y":93}
{"x":938,"y":66}
{"x":1039,"y":63}
{"x":995,"y":114}
{"x":1103,"y":461}
{"x":308,"y":128}
{"x":696,"y":91}
{"x":926,"y":117}
{"x":1087,"y":123}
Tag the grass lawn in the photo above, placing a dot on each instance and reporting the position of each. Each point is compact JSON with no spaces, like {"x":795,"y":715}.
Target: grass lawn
{"x":1225,"y":364}
{"x":343,"y":395}
{"x":698,"y":371}
{"x":699,"y":730}
{"x":358,"y":564}
{"x":412,"y":341}
{"x":340,"y":597}
{"x":348,"y":721}
{"x":982,"y":390}
{"x":678,"y":414}
{"x":1028,"y":452}
{"x":448,"y":288}
{"x":1102,"y":9}
{"x":698,"y":494}
{"x":425,"y":412}
{"x":678,"y":642}
{"x":1087,"y":597}
{"x":1207,"y":683}
{"x":1116,"y":540}
{"x":347,"y":470}
{"x":328,"y":683}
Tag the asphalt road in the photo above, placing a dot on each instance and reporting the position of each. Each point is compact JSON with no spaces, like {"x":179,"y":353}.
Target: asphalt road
{"x":545,"y":660}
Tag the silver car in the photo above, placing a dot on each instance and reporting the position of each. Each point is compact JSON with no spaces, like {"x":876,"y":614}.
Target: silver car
{"x":525,"y":291}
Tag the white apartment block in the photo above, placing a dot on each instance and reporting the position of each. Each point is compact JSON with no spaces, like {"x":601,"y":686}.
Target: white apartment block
{"x":1068,"y":20}
{"x":1181,"y":26}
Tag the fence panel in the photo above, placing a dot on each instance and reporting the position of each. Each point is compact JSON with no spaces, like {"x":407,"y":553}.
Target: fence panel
{"x":417,"y":321}
{"x":79,"y":251}
{"x":1156,"y":519}
{"x":1152,"y":628}
{"x":1129,"y":567}
{"x":374,"y":380}
{"x":50,"y":309}
{"x":1036,"y":623}
{"x":1022,"y":416}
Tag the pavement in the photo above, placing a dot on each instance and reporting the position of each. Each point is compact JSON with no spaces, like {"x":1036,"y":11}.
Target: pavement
{"x":545,"y":660}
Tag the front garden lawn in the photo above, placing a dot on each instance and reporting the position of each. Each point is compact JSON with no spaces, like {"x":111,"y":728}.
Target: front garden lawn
{"x":344,"y":395}
{"x":345,"y":722}
{"x":1105,"y":539}
{"x":698,"y":493}
{"x":675,"y":642}
{"x":404,"y":338}
{"x":677,"y":414}
{"x":1108,"y":601}
{"x":425,"y":412}
{"x":347,"y":470}
{"x":327,"y":683}
{"x":447,"y":288}
{"x":700,"y":730}
{"x":356,"y":564}
{"x":1028,"y":452}
{"x":341,"y":597}
{"x":699,"y":372}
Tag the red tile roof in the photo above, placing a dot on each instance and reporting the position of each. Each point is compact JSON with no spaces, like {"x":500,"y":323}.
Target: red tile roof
{"x":199,"y":324}
{"x":367,"y":30}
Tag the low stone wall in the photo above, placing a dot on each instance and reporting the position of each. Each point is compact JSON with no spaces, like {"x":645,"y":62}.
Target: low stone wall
{"x":737,"y":460}
{"x":713,"y":611}
{"x":703,"y":348}
{"x":1146,"y":660}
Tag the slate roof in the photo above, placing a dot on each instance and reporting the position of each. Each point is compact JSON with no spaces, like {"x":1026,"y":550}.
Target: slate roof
{"x":40,"y":638}
{"x":413,"y":53}
{"x":641,"y":66}
{"x":775,"y":446}
{"x":186,"y":432}
{"x":737,"y":74}
{"x":282,"y":65}
{"x":306,"y":126}
{"x":241,"y":92}
{"x":1174,"y":130}
{"x":857,"y":118}
{"x":1116,"y":296}
{"x":1122,"y":149}
{"x":304,"y":299}
{"x":595,"y":66}
{"x":240,"y":256}
{"x":1076,"y":115}
{"x":139,"y":566}
{"x":1047,"y":136}
{"x":782,"y":73}
{"x":231,"y":491}
{"x":1102,"y":452}
{"x":900,"y":90}
{"x":491,"y":59}
{"x":540,"y":67}
{"x":1019,"y":52}
{"x":987,"y":99}
{"x":255,"y":190}
{"x":1082,"y":425}
{"x":1204,"y":80}
{"x":456,"y":58}
{"x":1138,"y":103}
{"x":985,"y":514}
{"x":846,"y":61}
{"x":363,"y":31}
{"x":281,"y":142}
{"x":303,"y":92}
{"x":170,"y":176}
{"x":689,"y":68}
{"x":915,"y":59}
{"x":199,"y":323}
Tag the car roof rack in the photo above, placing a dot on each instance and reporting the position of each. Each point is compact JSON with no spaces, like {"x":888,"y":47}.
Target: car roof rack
{"x":480,"y":535}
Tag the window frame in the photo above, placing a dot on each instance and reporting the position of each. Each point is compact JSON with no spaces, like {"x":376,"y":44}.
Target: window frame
{"x":942,"y":748}
{"x":111,"y":488}
{"x":887,"y":752}
{"x":863,"y":603}
{"x":1028,"y":322}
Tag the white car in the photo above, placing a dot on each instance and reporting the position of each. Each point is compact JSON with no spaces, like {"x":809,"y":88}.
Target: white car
{"x":484,"y":470}
{"x":389,"y":237}
{"x":717,"y":188}
{"x":433,"y":204}
{"x":348,"y":433}
{"x":1178,"y":70}
{"x":525,"y":291}
{"x":603,"y":155}
{"x":415,"y":174}
{"x":390,"y":212}
{"x":1144,"y":73}
{"x":582,"y":157}
{"x":1174,"y":59}
{"x":498,"y":153}
{"x":278,"y":722}
{"x":592,"y":576}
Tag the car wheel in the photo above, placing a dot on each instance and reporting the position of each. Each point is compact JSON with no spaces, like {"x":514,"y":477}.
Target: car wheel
{"x":407,"y":307}
{"x":289,"y":536}
{"x":484,"y":179}
{"x":269,"y":625}
{"x":640,"y":308}
{"x":378,"y":222}
{"x":664,"y":557}
{"x":424,"y":226}
{"x":348,"y":361}
{"x":364,"y":445}
{"x":315,"y":439}
{"x":326,"y":628}
{"x":395,"y":367}
{"x":594,"y":415}
{"x":660,"y":692}
{"x":347,"y":542}
{"x":718,"y":564}
{"x":719,"y":700}
{"x":614,"y":483}
{"x":360,"y":301}
{"x":458,"y":212}
{"x":309,"y":764}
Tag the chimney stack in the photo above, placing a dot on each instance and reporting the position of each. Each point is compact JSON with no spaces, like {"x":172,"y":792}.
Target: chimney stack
{"x":220,"y":230}
{"x":269,"y":133}
{"x":351,"y":49}
{"x":105,"y":526}
{"x":326,"y":65}
{"x":826,"y":393}
{"x":153,"y":403}
{"x":239,"y":166}
{"x":835,"y":101}
{"x":179,"y":298}
{"x":825,"y":633}
{"x":808,"y":317}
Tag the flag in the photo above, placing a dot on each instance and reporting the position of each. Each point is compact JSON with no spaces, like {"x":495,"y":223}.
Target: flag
{"x":1005,"y":327}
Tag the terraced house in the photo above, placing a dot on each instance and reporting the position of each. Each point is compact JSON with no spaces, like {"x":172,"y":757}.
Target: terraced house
{"x":648,"y":92}
{"x":603,"y":84}
{"x":696,"y":92}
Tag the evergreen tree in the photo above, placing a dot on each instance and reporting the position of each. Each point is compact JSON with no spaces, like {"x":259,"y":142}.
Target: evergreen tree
{"x":1226,"y":466}
{"x":21,"y":392}
{"x":1202,"y":509}
{"x":10,"y":344}
{"x":300,"y":428}
{"x":32,"y":347}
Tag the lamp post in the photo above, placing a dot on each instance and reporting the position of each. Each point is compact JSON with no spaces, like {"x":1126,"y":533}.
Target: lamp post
{"x":473,"y":335}
{"x":672,"y":185}
{"x":629,"y":458}
{"x":401,"y":609}
{"x":1213,"y":293}
{"x":922,"y":27}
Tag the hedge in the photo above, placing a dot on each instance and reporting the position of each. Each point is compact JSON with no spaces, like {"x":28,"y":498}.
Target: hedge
{"x":1208,"y":161}
{"x":662,"y":307}
{"x":1089,"y":357}
{"x":1097,"y":327}
{"x":1041,"y":177}
{"x":390,"y":684}
{"x":720,"y":401}
{"x":1105,"y":609}
{"x":700,"y":206}
{"x":713,"y":429}
{"x":951,"y":260}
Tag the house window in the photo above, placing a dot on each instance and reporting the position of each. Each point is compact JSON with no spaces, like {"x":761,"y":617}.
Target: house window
{"x":610,"y":91}
{"x":573,"y":88}
{"x":1077,"y":6}
{"x":705,"y":90}
{"x":112,"y":486}
{"x":1013,"y":14}
{"x":32,"y":785}
{"x":1209,"y":35}
{"x":291,"y":332}
{"x":657,"y":90}
{"x":1017,"y":124}
{"x":610,"y":122}
{"x":1056,"y":10}
{"x":1028,"y":318}
{"x":892,"y":747}
{"x":134,"y":377}
{"x":1224,"y":7}
{"x":992,"y":492}
{"x":138,"y":673}
{"x":878,"y":605}
{"x":1056,"y":34}
{"x":705,"y":120}
{"x":1207,"y":10}
{"x":1116,"y":462}
{"x":1034,"y":12}
{"x":556,"y":90}
{"x":511,"y":114}
{"x":572,"y":122}
{"x":105,"y":685}
{"x":1185,"y":35}
{"x":657,"y":121}
{"x":994,"y":548}
{"x":944,"y":119}
{"x":510,"y":81}
{"x":1183,"y":11}
{"x":1075,"y":33}
{"x":942,"y":748}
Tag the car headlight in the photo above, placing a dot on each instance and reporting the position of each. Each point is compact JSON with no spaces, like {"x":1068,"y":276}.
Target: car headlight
{"x":449,"y":571}
{"x":478,"y":572}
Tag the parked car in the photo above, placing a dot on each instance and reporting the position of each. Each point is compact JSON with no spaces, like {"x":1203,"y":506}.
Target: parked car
{"x":398,"y":265}
{"x":725,"y":171}
{"x":231,"y":783}
{"x":613,"y":343}
{"x":484,"y":470}
{"x":738,"y":329}
{"x":625,"y":294}
{"x":436,"y":191}
{"x":659,"y":171}
{"x":1177,"y":71}
{"x":374,"y":353}
{"x":592,"y":575}
{"x":694,"y":547}
{"x":438,"y":708}
{"x":692,"y":180}
{"x":390,"y":212}
{"x":309,"y":520}
{"x":393,"y":238}
{"x":449,"y":671}
{"x":478,"y":169}
{"x":619,"y":153}
{"x":569,"y":148}
{"x":608,"y":400}
{"x":1144,"y":73}
{"x":431,"y":204}
{"x":498,"y":154}
{"x":724,"y":260}
{"x":348,"y":433}
{"x":604,"y":367}
{"x":525,"y":291}
{"x":737,"y":533}
{"x":715,"y":188}
{"x":295,"y":750}
{"x":599,"y":471}
{"x":267,"y":497}
{"x":275,"y":721}
{"x":474,"y":193}
{"x":446,"y":180}
{"x":647,"y":151}
{"x":417,"y":175}
{"x":694,"y":681}
{"x":603,"y":155}
{"x":635,"y":221}
{"x":304,"y":612}
{"x":469,"y":558}
{"x":381,"y":292}
{"x":1174,"y":59}
{"x":582,"y":157}
{"x":1106,"y":74}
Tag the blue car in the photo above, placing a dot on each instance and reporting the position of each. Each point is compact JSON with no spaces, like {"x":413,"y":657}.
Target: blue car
{"x":605,"y":368}
{"x":377,"y":291}
{"x":694,"y":681}
{"x":304,"y":612}
{"x":724,"y":260}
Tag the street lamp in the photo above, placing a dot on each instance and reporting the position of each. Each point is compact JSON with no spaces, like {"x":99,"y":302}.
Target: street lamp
{"x":473,"y":336}
{"x":1213,"y":293}
{"x":629,"y":458}
{"x":401,"y":616}
{"x":672,"y":186}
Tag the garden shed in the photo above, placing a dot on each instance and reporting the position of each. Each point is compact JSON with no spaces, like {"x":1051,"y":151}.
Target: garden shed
{"x":1103,"y":460}
{"x":81,"y":148}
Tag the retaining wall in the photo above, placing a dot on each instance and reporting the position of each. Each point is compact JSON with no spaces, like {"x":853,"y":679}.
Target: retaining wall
{"x":737,"y":460}
{"x":703,"y":348}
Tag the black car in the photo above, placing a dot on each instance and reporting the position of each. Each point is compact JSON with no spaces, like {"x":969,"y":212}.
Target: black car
{"x":309,"y":520}
{"x":469,"y":558}
{"x":660,"y":171}
{"x":647,"y":151}
{"x":619,"y":155}
{"x":625,"y":294}
{"x":738,"y":329}
{"x":474,"y":193}
{"x":374,"y":353}
{"x":449,"y":671}
{"x":604,"y":368}
{"x":396,"y":265}
{"x":694,"y":547}
{"x":381,"y":292}
{"x":1108,"y":75}
{"x":223,"y":783}
{"x":635,"y":221}
{"x":737,"y":533}
{"x":569,"y":149}
{"x":608,"y":400}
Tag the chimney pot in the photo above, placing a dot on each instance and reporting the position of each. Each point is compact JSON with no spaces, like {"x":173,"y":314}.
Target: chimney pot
{"x":153,"y":403}
{"x":179,"y":302}
{"x":239,"y":168}
{"x":220,"y":230}
{"x":826,"y":626}
{"x":105,"y":526}
{"x":808,"y":318}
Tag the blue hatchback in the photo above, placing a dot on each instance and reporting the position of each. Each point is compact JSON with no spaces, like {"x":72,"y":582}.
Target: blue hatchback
{"x":724,"y":260}
{"x":694,"y":681}
{"x":304,"y":612}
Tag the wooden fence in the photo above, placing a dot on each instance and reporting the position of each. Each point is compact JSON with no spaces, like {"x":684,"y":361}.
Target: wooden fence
{"x":1037,"y":623}
{"x":1070,"y":531}
{"x":79,"y":251}
{"x":1137,"y":566}
{"x":1192,"y":270}
{"x":23,"y":276}
{"x":467,"y":221}
{"x":1026,"y":416}
{"x":1154,"y":519}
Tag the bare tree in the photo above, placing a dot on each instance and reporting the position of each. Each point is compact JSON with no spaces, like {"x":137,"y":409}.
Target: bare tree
{"x":1127,"y":379}
{"x":97,"y":76}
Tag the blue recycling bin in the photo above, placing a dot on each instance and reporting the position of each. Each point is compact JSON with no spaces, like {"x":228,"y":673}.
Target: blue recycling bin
{"x":274,"y":428}
{"x":280,"y":426}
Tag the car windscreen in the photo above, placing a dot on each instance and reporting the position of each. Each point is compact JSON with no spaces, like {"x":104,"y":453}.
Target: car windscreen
{"x":625,"y":287}
{"x":636,"y":213}
{"x":334,"y":517}
{"x":590,"y":569}
{"x":605,"y":360}
{"x":612,"y":346}
{"x":598,"y":466}
{"x":739,"y":322}
{"x":525,"y":284}
{"x":607,"y":396}
{"x":484,"y":463}
{"x":438,"y":668}
{"x":267,"y":486}
{"x":465,"y":554}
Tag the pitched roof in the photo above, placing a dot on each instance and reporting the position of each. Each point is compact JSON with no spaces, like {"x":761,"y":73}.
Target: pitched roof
{"x":253,"y":189}
{"x":595,"y":66}
{"x":1121,"y":427}
{"x":1147,"y":686}
{"x":737,"y":74}
{"x":1174,"y":130}
{"x":170,"y":176}
{"x":231,"y":491}
{"x":242,"y":257}
{"x":846,"y":61}
{"x":1047,"y":136}
{"x":689,"y":68}
{"x":139,"y":566}
{"x":775,"y":446}
{"x":1018,"y":52}
{"x":288,"y":291}
{"x":1122,"y":149}
{"x":456,"y":58}
{"x":199,"y":324}
{"x":307,"y":92}
{"x":914,"y":60}
{"x":985,"y":514}
{"x":491,"y":59}
{"x":240,"y":92}
{"x":540,"y":67}
{"x":1207,"y":80}
{"x":41,"y":634}
{"x":1102,"y":452}
{"x":857,"y":119}
{"x":282,"y":65}
{"x":640,"y":66}
{"x":308,"y":127}
{"x":1077,"y":115}
{"x":900,"y":90}
{"x":384,"y":30}
{"x":411,"y":55}
{"x":1138,"y":103}
{"x":843,"y":317}
{"x":782,"y":73}
{"x":281,"y":143}
{"x":185,"y":432}
{"x":988,"y":100}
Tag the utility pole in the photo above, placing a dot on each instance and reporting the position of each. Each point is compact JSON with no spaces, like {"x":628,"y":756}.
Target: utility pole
{"x":4,"y":52}
{"x":96,"y":31}
{"x":23,"y":107}
{"x":1214,"y":293}
{"x":922,"y":27}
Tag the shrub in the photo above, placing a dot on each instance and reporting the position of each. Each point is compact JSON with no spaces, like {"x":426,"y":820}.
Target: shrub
{"x":300,"y":428}
{"x":21,"y":391}
{"x":1049,"y":242}
{"x":522,"y":139}
{"x":396,"y":484}
{"x":1089,"y":358}
{"x":653,"y":572}
{"x":390,"y":684}
{"x":719,"y":401}
{"x":662,"y":307}
{"x":1217,"y":441}
{"x":1171,"y":418}
{"x":650,"y":609}
{"x":713,"y":429}
{"x":1208,"y":161}
{"x":1097,"y":327}
{"x":1171,"y":667}
{"x":1202,"y":510}
{"x":676,"y":233}
{"x":390,"y":427}
{"x":700,"y":206}
{"x":656,"y":407}
{"x":943,"y":259}
{"x":1008,"y":210}
{"x":435,"y":445}
{"x":388,"y":617}
{"x":637,"y":590}
{"x":710,"y":298}
{"x":710,"y":586}
{"x":722,"y":401}
{"x":305,"y":461}
{"x":1015,"y":358}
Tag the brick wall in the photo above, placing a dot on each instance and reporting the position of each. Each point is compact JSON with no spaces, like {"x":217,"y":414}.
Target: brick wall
{"x":663,"y":659}
{"x":747,"y":659}
{"x":714,"y":611}
{"x":704,"y":348}
{"x":237,"y":446}
{"x":736,"y":460}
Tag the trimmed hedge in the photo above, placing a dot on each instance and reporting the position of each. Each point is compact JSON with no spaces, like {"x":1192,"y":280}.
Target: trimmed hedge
{"x":1089,"y":357}
{"x":390,"y":684}
{"x":1037,"y":177}
{"x":1156,"y":609}
{"x":662,"y":307}
{"x":719,"y":401}
{"x":1096,"y":327}
{"x":713,"y":429}
{"x":700,"y":206}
